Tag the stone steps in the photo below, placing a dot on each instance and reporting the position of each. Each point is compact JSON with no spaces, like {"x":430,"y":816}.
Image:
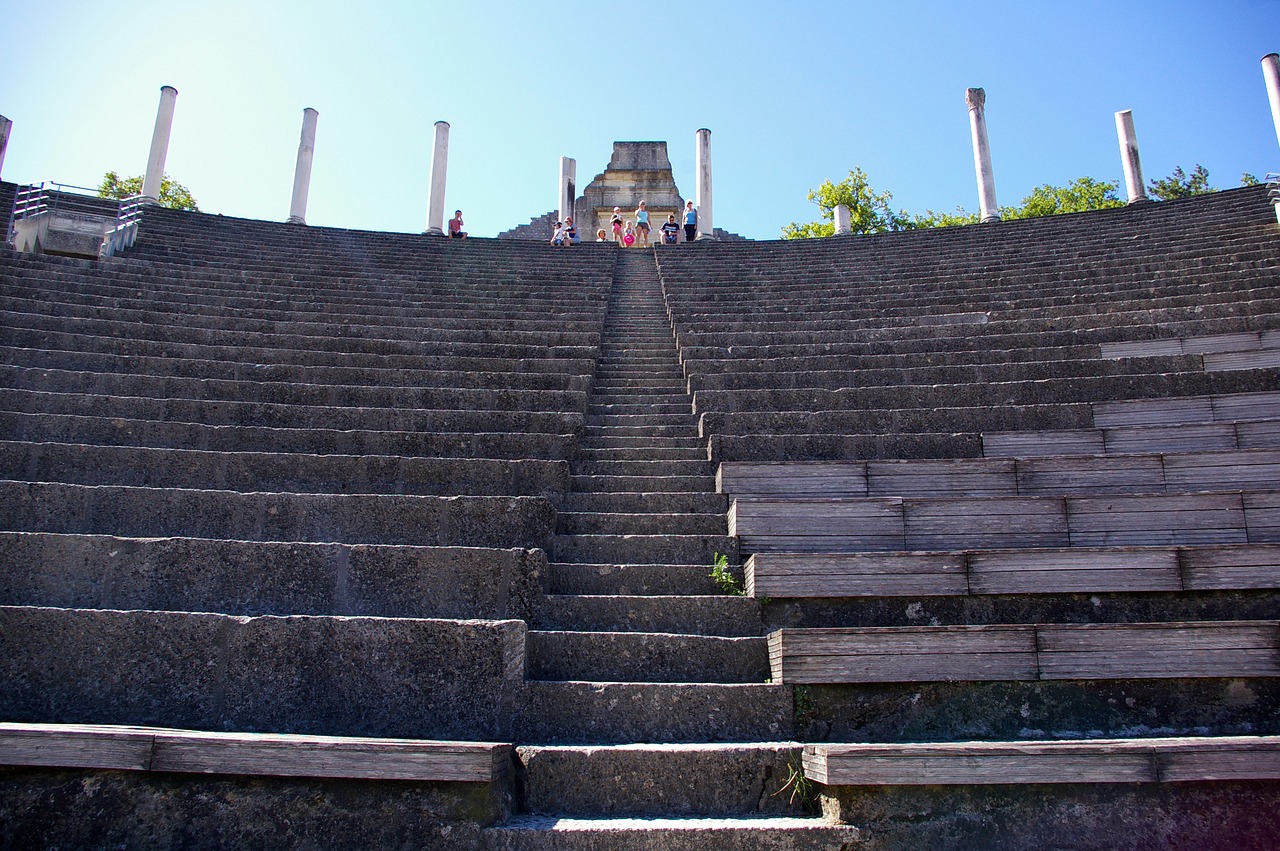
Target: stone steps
{"x":652,"y":523}
{"x":643,"y":549}
{"x":651,"y":833}
{"x":633,"y":579}
{"x":640,"y":657}
{"x":732,"y":617}
{"x":666,"y":502}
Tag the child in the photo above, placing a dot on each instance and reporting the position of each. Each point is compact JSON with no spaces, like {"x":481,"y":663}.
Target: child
{"x":628,"y":236}
{"x":557,"y":236}
{"x":600,"y":236}
{"x":616,"y":223}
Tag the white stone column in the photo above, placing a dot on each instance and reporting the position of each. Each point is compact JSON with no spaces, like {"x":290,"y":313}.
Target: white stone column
{"x":5,"y":126}
{"x":706,"y":226}
{"x":159,"y":145}
{"x":302,"y":172}
{"x":439,"y":168}
{"x":1129,"y":157}
{"x":977,"y":99}
{"x":568,"y":188}
{"x":1271,"y":72}
{"x":844,"y":227}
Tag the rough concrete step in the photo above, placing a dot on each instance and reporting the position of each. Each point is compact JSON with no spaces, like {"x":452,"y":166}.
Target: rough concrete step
{"x":645,"y":657}
{"x":642,"y":484}
{"x":589,"y":454}
{"x":668,"y":502}
{"x":644,"y":549}
{"x":121,"y":431}
{"x":640,"y":407}
{"x":661,"y":523}
{"x":645,"y":467}
{"x":638,"y":579}
{"x":272,"y":415}
{"x":616,"y":442}
{"x":660,"y":780}
{"x":650,"y":833}
{"x":598,"y":430}
{"x":266,"y":578}
{"x":279,"y":471}
{"x":476,"y":521}
{"x":728,"y":616}
{"x":621,"y":713}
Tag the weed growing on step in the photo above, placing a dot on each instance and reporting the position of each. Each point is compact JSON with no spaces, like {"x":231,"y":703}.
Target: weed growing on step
{"x":724,"y":578}
{"x":802,"y":703}
{"x":802,"y":789}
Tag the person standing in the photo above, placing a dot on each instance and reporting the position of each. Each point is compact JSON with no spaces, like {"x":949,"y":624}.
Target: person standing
{"x":690,"y":222}
{"x":642,"y":224}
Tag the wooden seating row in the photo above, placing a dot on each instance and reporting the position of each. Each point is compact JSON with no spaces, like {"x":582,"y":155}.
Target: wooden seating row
{"x":1012,"y":652}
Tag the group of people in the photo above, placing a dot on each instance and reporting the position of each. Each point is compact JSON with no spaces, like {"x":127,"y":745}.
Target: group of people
{"x":566,"y":232}
{"x":626,"y":235}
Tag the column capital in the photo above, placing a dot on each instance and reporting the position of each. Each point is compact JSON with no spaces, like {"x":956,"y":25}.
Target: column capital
{"x":975,"y":98}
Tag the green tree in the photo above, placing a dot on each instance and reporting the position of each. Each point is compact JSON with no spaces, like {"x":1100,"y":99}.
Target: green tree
{"x":869,"y":210}
{"x":1182,"y":185}
{"x":172,"y":193}
{"x":1248,"y":179}
{"x":931,"y":219}
{"x":1081,"y":194}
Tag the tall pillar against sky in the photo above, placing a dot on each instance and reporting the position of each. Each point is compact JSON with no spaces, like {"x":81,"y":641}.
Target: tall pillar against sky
{"x":705,"y":222}
{"x":844,"y":226}
{"x":5,"y":126}
{"x":568,"y":188}
{"x":302,"y":172}
{"x":977,"y":100}
{"x":159,"y":145}
{"x":1271,"y":72}
{"x":439,"y":168}
{"x":1129,"y":157}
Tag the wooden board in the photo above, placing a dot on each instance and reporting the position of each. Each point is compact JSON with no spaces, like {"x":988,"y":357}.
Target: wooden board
{"x":1208,"y":518}
{"x":1183,"y":759}
{"x":1168,"y":650}
{"x":1226,"y":361}
{"x":1226,"y":568}
{"x":1259,"y":434}
{"x":1074,"y":571}
{"x":1239,"y":341}
{"x":1264,"y":404}
{"x":985,"y":523}
{"x":262,"y":754}
{"x":1131,"y":412}
{"x":1097,"y":474}
{"x":794,"y":479}
{"x":1190,"y":437}
{"x":1141,"y":348}
{"x":817,"y":525}
{"x":789,"y":575}
{"x":937,"y":478}
{"x":1032,"y":444}
{"x":903,"y":654}
{"x":1235,"y":470}
{"x":1262,"y":516}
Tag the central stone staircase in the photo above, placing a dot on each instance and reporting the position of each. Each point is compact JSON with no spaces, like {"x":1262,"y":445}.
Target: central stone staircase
{"x":649,"y":716}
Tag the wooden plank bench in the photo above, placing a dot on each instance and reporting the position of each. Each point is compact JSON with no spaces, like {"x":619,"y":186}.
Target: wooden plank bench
{"x":1189,"y":409}
{"x":1162,"y":760}
{"x":1003,"y":652}
{"x":1082,"y":570}
{"x":886,"y":525}
{"x":264,"y":754}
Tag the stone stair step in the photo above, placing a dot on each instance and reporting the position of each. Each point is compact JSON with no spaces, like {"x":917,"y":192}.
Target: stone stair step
{"x":649,"y":833}
{"x":734,"y":617}
{"x":590,"y":453}
{"x":639,"y":579}
{"x":660,"y":779}
{"x":647,"y":468}
{"x":663,"y":430}
{"x":642,"y":484}
{"x":644,"y":549}
{"x":621,"y":713}
{"x":645,"y":657}
{"x":670,"y":502}
{"x":657,"y":523}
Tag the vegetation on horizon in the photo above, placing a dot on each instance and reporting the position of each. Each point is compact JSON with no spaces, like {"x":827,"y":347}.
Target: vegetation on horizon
{"x":872,"y":212}
{"x":172,"y":193}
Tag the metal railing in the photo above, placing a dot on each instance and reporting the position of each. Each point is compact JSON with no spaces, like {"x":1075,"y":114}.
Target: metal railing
{"x":67,"y":199}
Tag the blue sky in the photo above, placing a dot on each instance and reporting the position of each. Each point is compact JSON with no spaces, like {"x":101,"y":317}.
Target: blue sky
{"x":793,"y":94}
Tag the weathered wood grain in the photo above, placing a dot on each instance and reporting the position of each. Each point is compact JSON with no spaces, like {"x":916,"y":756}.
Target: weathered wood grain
{"x":260,"y":754}
{"x":958,"y":477}
{"x":1131,"y":412}
{"x":789,"y":575}
{"x":1033,"y":444}
{"x":1225,"y":568}
{"x":1141,"y":651}
{"x":1065,"y":571}
{"x":1209,"y":518}
{"x":1097,"y":474}
{"x":1190,"y":437}
{"x":1185,"y":759}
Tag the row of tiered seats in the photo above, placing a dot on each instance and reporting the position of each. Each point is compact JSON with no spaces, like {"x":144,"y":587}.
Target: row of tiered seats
{"x":984,"y":498}
{"x":260,"y":481}
{"x":962,"y":330}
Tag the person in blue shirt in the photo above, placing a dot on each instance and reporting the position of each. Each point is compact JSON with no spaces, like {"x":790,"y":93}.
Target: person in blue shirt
{"x":642,"y":224}
{"x":690,"y":222}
